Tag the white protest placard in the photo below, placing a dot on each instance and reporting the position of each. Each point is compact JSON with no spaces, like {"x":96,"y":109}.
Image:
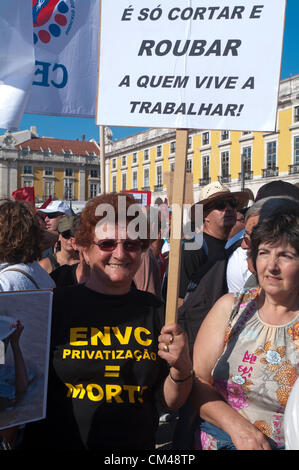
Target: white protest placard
{"x":177,"y":64}
{"x":25,"y":328}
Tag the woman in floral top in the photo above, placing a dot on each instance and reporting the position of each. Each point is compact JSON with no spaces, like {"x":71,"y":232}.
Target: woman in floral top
{"x":246,"y":355}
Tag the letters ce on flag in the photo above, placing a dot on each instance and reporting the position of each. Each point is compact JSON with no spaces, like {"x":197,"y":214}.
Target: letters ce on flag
{"x":65,"y":35}
{"x":16,"y":60}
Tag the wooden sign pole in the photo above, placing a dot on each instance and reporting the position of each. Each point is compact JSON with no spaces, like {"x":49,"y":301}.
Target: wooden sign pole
{"x":176,"y":225}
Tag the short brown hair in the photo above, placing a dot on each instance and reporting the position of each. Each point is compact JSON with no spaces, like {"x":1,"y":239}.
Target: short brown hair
{"x":281,"y":226}
{"x":90,"y":217}
{"x":20,"y":232}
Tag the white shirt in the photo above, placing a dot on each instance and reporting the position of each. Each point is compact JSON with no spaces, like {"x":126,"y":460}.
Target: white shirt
{"x":237,"y":271}
{"x":14,"y":280}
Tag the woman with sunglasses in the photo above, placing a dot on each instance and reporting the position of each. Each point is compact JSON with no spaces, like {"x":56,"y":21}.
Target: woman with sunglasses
{"x":112,"y":359}
{"x":246,"y":353}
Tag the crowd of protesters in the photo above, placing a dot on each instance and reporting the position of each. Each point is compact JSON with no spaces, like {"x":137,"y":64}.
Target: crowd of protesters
{"x":226,"y":367}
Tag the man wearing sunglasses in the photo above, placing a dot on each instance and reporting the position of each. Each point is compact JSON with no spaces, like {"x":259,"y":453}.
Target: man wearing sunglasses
{"x":67,"y":254}
{"x":220,"y":207}
{"x":54,"y":212}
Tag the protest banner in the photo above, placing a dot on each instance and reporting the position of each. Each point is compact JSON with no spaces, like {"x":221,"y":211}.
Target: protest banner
{"x":65,"y":36}
{"x":189,"y":66}
{"x":17,"y":60}
{"x":202,"y":66}
{"x":25,"y":325}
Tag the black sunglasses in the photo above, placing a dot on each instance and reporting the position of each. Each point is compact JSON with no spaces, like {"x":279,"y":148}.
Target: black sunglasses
{"x":67,"y":234}
{"x":53,"y":215}
{"x":221,"y":205}
{"x":110,"y":245}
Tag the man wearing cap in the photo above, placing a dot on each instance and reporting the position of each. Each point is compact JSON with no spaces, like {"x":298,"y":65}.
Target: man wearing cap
{"x":54,"y":212}
{"x":219,"y":216}
{"x":66,"y":254}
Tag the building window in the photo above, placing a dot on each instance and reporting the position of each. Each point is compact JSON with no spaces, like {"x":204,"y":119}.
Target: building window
{"x":247,"y":159}
{"x":134,"y":180}
{"x":49,"y":189}
{"x":206,"y":167}
{"x":296,"y":114}
{"x":189,"y":142}
{"x":159,"y":176}
{"x":225,"y":164}
{"x":172,"y":146}
{"x":94,"y":173}
{"x":68,"y":190}
{"x":113,"y":163}
{"x":93,"y":189}
{"x":114,"y":186}
{"x":146,"y":154}
{"x":49,"y":171}
{"x":146,"y":178}
{"x":205,"y":138}
{"x":224,"y":135}
{"x":28,"y":183}
{"x":171,"y":166}
{"x":159,"y":151}
{"x":271,"y":154}
{"x":296,"y":149}
{"x":189,"y":166}
{"x":124,"y":181}
{"x":46,"y":152}
{"x":134,"y":160}
{"x":69,"y":172}
{"x":124,"y":161}
{"x":27,"y":170}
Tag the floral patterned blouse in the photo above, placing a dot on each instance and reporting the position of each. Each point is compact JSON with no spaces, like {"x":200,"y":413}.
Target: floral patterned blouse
{"x":258,"y":367}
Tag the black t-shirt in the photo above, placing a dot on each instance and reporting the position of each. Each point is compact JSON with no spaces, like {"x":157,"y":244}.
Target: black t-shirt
{"x":192,"y":260}
{"x":65,"y":275}
{"x":104,"y":372}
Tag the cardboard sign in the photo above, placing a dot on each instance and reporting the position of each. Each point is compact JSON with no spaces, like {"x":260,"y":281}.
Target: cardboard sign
{"x":202,"y":65}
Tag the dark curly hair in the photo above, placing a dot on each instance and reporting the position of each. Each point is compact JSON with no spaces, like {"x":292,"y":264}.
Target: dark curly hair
{"x":91,"y":215}
{"x":20,"y":232}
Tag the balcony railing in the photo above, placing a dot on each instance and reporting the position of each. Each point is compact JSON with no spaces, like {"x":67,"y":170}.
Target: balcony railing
{"x":158,"y":187}
{"x":204,"y":181}
{"x":293,"y":168}
{"x":248,"y":175}
{"x":146,"y":188}
{"x":224,"y":179}
{"x":269,"y":172}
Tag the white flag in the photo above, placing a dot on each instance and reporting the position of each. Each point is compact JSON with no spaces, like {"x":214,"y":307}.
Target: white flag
{"x":16,"y":60}
{"x":66,"y":52}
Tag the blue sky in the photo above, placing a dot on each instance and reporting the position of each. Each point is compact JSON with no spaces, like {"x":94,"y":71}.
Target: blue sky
{"x":74,"y":128}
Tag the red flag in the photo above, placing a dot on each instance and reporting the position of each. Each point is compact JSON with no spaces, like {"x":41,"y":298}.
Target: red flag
{"x":25,"y":194}
{"x":46,"y":203}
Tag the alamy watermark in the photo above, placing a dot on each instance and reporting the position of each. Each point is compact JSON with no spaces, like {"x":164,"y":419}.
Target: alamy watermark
{"x":150,"y":222}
